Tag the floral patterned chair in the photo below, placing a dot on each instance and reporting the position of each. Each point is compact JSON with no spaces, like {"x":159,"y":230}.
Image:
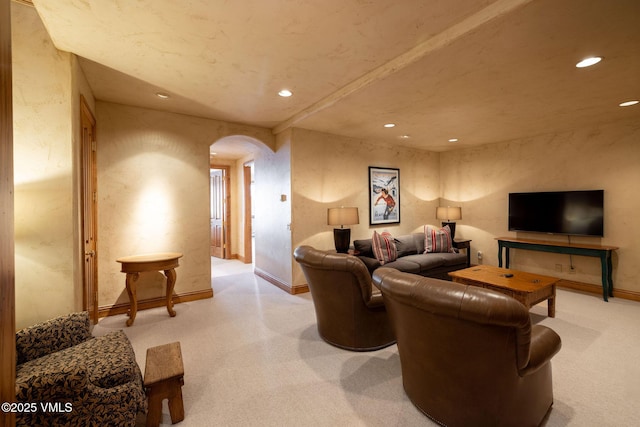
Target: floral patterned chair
{"x":84,"y":380}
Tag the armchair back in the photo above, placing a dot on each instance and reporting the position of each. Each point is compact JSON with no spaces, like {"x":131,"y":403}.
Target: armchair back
{"x":52,"y":335}
{"x":350,"y":312}
{"x":469,"y":355}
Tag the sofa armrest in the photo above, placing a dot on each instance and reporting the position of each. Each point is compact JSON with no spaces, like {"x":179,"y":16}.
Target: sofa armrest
{"x":545,"y":343}
{"x":51,"y":336}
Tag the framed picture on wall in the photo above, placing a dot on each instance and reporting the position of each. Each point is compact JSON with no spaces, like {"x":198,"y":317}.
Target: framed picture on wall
{"x":384,"y":195}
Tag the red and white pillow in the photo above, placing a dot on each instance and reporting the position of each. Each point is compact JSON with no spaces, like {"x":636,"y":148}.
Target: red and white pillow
{"x":384,"y":248}
{"x":437,"y":240}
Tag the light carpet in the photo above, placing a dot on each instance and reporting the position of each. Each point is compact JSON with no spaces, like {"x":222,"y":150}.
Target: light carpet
{"x":253,"y":357}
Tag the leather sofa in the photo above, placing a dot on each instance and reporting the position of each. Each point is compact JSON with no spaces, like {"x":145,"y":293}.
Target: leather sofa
{"x":85,"y":380}
{"x":469,"y":356}
{"x":350,"y":312}
{"x":411,"y":257}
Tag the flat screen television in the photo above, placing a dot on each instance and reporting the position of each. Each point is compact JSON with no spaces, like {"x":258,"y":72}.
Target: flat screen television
{"x":576,"y":213}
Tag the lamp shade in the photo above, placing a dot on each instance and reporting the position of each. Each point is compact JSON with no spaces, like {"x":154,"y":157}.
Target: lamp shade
{"x":342,"y":216}
{"x":449,"y":212}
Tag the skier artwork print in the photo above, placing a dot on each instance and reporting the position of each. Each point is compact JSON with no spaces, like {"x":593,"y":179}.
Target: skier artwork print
{"x":384,"y":195}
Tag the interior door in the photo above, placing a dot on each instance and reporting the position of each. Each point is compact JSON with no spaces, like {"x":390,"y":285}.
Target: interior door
{"x":217,"y":184}
{"x":89,"y":211}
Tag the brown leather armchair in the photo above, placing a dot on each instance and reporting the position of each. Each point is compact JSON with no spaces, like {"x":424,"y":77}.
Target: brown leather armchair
{"x":349,"y":310}
{"x":469,"y":356}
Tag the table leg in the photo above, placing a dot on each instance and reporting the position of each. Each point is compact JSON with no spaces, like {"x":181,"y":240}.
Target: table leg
{"x":176,"y":406}
{"x":610,"y":272}
{"x":551,"y":302}
{"x":605,"y":277}
{"x":154,"y":408}
{"x":499,"y":255}
{"x":171,"y":282}
{"x":133,"y":298}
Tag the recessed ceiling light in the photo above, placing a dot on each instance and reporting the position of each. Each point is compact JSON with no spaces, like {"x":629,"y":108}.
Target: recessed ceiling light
{"x":285,"y":93}
{"x":453,"y":140}
{"x":389,"y":125}
{"x":162,"y":95}
{"x":405,"y":136}
{"x":629,"y":103}
{"x":587,"y":62}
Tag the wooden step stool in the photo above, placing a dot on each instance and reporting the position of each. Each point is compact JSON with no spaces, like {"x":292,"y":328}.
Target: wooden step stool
{"x":163,"y":379}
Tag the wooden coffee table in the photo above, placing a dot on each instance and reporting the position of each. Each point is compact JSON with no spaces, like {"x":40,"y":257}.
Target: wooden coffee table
{"x":528,"y":288}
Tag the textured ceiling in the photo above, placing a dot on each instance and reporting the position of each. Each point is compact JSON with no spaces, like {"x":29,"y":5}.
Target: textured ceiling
{"x":481,"y":71}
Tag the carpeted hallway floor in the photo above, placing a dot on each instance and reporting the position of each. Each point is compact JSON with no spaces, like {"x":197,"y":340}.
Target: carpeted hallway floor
{"x":253,"y":357}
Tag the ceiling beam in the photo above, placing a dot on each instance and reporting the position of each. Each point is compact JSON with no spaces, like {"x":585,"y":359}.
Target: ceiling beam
{"x":438,"y":41}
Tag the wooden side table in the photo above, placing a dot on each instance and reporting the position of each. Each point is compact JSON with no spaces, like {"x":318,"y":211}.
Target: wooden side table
{"x":136,"y":264}
{"x":466,"y":245}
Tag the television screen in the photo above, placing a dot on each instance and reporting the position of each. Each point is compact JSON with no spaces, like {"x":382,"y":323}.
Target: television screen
{"x":578,"y":213}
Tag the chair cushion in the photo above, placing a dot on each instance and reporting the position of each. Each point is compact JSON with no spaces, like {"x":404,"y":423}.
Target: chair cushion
{"x":426,"y":262}
{"x":406,"y":245}
{"x":453,"y":258}
{"x":404,"y":264}
{"x":40,"y":380}
{"x":384,"y":248}
{"x":363,"y":248}
{"x":419,"y":241}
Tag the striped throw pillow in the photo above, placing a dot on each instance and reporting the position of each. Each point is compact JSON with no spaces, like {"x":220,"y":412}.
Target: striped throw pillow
{"x":437,"y":240}
{"x":384,"y":248}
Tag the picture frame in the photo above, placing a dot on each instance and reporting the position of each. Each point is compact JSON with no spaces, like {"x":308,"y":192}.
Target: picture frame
{"x":384,"y":195}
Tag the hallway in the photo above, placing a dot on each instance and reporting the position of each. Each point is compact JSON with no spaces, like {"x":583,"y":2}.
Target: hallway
{"x":227,"y":267}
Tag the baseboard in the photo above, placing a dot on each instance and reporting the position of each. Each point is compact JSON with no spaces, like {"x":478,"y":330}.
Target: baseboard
{"x":123,"y":308}
{"x":597,"y":289}
{"x":300,"y":289}
{"x":293,"y":290}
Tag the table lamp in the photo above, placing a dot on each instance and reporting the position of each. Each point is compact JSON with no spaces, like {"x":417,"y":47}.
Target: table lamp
{"x":449,"y":213}
{"x":342,"y":216}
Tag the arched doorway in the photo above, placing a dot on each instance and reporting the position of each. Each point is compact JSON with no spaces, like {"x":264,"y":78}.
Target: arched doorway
{"x":234,"y":155}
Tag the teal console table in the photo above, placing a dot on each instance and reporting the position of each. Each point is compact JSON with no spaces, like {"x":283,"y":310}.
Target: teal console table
{"x":602,"y":252}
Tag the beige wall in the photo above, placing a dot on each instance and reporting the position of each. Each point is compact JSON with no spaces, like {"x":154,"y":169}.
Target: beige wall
{"x":272,"y":176}
{"x":46,"y":88}
{"x":606,"y":157}
{"x":153,"y":194}
{"x":332,"y":171}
